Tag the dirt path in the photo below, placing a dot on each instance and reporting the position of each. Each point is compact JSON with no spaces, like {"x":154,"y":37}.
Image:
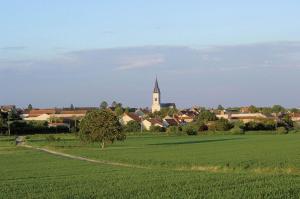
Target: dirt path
{"x":211,"y":169}
{"x":83,"y":158}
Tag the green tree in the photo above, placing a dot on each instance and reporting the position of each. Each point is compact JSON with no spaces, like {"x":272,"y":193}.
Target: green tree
{"x":253,"y":109}
{"x":29,"y":107}
{"x":72,"y":107}
{"x":114,"y":104}
{"x":119,"y":111}
{"x":103,"y":105}
{"x":220,"y":107}
{"x":206,"y":116}
{"x":190,"y":129}
{"x":278,"y":109}
{"x":101,"y":126}
{"x":132,"y":126}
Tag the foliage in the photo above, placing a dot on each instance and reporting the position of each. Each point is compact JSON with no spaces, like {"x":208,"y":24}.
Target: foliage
{"x":119,"y":111}
{"x":157,"y":129}
{"x":278,"y":109}
{"x":237,"y":131}
{"x":29,"y":107}
{"x":206,"y":116}
{"x":103,"y":105}
{"x":220,"y":125}
{"x":101,"y":126}
{"x":281,"y":130}
{"x":174,"y":130}
{"x":190,"y":129}
{"x":220,"y":107}
{"x":253,"y":109}
{"x":201,"y":126}
{"x":132,"y":126}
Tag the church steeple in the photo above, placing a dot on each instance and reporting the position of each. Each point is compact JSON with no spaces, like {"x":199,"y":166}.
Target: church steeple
{"x":156,"y":87}
{"x":156,"y":97}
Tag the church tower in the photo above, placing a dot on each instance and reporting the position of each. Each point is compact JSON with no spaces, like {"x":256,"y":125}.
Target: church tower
{"x":156,"y":98}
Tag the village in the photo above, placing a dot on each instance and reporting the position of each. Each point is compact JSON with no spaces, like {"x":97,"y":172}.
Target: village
{"x":160,"y":118}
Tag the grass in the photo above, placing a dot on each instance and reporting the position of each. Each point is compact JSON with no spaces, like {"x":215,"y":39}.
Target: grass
{"x":248,"y":166}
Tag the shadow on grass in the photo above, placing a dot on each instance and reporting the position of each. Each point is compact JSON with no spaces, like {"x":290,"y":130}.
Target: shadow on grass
{"x":197,"y":141}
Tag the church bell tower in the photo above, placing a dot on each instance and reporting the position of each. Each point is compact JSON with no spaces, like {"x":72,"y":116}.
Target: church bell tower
{"x":156,"y":98}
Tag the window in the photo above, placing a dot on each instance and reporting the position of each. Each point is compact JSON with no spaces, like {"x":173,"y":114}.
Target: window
{"x":155,"y":99}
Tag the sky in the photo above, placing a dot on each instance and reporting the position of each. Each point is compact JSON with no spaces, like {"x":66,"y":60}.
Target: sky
{"x":235,"y":53}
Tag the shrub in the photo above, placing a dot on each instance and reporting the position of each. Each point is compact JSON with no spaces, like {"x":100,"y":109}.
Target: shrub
{"x":190,"y":129}
{"x":202,"y":127}
{"x":281,"y":130}
{"x":157,"y":129}
{"x":132,"y":126}
{"x":237,"y":131}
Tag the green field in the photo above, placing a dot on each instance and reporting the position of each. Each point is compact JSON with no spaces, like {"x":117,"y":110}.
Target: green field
{"x":223,"y":166}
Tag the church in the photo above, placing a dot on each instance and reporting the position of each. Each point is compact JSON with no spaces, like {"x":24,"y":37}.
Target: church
{"x":156,"y":99}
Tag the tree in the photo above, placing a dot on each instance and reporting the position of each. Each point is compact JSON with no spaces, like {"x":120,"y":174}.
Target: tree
{"x":253,"y":109}
{"x":114,"y":104}
{"x":206,"y":116}
{"x":220,"y":107}
{"x":132,"y":126}
{"x":72,"y":107}
{"x":101,"y":126}
{"x":190,"y":129}
{"x":119,"y":111}
{"x":278,"y":109}
{"x":103,"y":105}
{"x":29,"y":107}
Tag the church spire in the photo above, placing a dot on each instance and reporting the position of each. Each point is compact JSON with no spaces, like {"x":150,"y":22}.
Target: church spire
{"x":156,"y":87}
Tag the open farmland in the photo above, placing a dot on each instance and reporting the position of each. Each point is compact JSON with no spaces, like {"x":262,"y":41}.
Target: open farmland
{"x":248,"y":166}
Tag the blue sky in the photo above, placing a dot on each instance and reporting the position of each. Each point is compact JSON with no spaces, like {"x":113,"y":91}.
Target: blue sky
{"x":53,"y":53}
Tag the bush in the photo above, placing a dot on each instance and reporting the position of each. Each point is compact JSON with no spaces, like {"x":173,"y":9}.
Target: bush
{"x":190,"y":129}
{"x":237,"y":131}
{"x":281,"y":130}
{"x":132,"y":126}
{"x":202,"y":127}
{"x":220,"y":125}
{"x":157,"y":129}
{"x":177,"y":130}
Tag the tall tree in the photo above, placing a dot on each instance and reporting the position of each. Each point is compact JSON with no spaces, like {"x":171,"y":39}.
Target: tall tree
{"x":29,"y":107}
{"x":101,"y":126}
{"x":103,"y":105}
{"x":72,"y":107}
{"x":220,"y":107}
{"x":114,"y":104}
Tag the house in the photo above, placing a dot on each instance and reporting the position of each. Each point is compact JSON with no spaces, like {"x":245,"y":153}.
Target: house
{"x":7,"y":108}
{"x":127,"y":117}
{"x":295,"y":117}
{"x":39,"y":114}
{"x":147,"y":123}
{"x":244,"y":117}
{"x":186,"y":116}
{"x":171,"y":121}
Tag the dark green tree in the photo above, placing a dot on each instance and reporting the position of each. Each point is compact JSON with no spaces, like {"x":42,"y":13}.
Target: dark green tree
{"x":220,"y":108}
{"x":132,"y":126}
{"x":29,"y":107}
{"x":72,"y":107}
{"x":206,"y":116}
{"x":278,"y":109}
{"x":101,"y":126}
{"x":103,"y":105}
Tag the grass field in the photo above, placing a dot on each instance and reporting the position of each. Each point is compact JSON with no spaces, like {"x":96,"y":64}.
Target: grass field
{"x":246,"y":166}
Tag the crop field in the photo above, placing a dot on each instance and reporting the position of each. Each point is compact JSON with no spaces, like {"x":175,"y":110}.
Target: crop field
{"x":153,"y":166}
